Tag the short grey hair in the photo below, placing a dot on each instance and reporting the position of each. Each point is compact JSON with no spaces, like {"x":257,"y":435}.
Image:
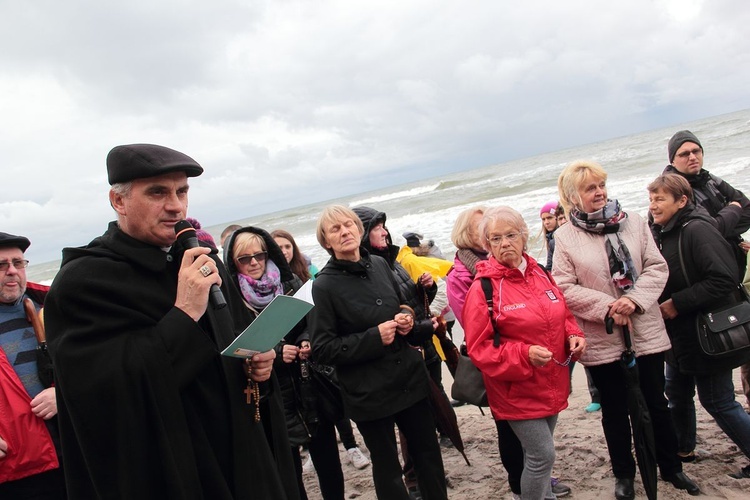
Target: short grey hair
{"x":122,"y":188}
{"x":504,"y":214}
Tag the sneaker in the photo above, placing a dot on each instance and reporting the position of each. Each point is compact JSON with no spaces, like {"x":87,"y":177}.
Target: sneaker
{"x":308,"y":465}
{"x":592,"y":407}
{"x":559,"y":488}
{"x":357,"y":458}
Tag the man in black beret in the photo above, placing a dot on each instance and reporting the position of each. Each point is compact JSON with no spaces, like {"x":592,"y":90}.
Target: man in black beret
{"x":148,"y":407}
{"x":29,"y":439}
{"x":731,"y":210}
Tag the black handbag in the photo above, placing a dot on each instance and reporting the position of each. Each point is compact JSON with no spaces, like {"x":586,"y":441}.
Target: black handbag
{"x":726,"y":330}
{"x":468,"y":383}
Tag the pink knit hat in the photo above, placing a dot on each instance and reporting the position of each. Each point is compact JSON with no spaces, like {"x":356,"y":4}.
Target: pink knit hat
{"x":549,"y":208}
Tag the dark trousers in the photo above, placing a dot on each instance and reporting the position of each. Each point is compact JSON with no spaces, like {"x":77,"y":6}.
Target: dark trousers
{"x":346,"y":433}
{"x":418,"y":426}
{"x":511,"y":454}
{"x":609,"y":379}
{"x":49,"y":485}
{"x":324,"y":452}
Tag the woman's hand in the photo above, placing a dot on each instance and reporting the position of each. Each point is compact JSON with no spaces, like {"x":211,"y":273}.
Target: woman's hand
{"x":539,"y":356}
{"x":404,"y":323}
{"x":576,"y":345}
{"x":668,"y":310}
{"x":620,"y":319}
{"x":304,"y":349}
{"x":259,"y":367}
{"x":623,"y":306}
{"x":3,"y":448}
{"x":289,"y":353}
{"x":387,"y":331}
{"x":426,"y":280}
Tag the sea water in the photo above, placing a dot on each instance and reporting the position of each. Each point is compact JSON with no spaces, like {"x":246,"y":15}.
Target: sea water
{"x":430,"y":206}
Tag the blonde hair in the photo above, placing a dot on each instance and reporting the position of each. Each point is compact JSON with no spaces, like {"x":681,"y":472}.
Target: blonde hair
{"x":572,"y":178}
{"x":243,"y":240}
{"x":460,"y":235}
{"x":331,"y":215}
{"x":502,"y":214}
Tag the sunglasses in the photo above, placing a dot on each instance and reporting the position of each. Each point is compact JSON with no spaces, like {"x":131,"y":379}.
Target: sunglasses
{"x":247,"y":259}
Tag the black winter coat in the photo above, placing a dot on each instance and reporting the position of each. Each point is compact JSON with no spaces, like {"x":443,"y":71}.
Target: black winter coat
{"x":147,"y":406}
{"x":712,"y":271}
{"x":299,"y":417}
{"x":410,"y":293}
{"x":351,"y":300}
{"x":714,"y":194}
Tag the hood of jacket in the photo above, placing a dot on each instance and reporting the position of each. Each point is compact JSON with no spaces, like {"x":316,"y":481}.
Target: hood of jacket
{"x":371,"y":218}
{"x":492,"y":268}
{"x":274,"y":253}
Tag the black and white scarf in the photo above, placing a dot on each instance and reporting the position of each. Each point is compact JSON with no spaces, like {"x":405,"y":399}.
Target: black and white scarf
{"x":607,"y":222}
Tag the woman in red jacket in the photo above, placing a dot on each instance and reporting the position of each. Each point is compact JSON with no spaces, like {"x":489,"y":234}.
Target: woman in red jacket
{"x":526,"y":372}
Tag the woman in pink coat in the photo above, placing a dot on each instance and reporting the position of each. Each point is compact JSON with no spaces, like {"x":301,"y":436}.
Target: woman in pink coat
{"x":523,"y":346}
{"x":608,"y":265}
{"x":469,"y":251}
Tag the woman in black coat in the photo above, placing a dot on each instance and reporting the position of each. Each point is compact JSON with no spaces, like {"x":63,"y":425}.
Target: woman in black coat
{"x":357,"y":326}
{"x":710,"y":267}
{"x":260,"y":270}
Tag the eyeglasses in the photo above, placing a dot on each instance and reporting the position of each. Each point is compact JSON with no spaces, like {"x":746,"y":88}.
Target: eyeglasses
{"x":18,"y":264}
{"x":686,"y":154}
{"x":247,"y":259}
{"x":497,"y":240}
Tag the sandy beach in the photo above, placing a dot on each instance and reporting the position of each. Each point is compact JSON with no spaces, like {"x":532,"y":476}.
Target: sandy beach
{"x":582,"y":459}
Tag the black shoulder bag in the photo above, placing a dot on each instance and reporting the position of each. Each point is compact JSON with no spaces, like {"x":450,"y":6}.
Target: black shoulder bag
{"x":468,"y":384}
{"x":726,"y":330}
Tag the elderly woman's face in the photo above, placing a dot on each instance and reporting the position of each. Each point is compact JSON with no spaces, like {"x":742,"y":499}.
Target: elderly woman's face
{"x":343,"y":237}
{"x":506,"y":243}
{"x":593,"y":194}
{"x":476,"y":238}
{"x":252,"y":262}
{"x":379,"y":236}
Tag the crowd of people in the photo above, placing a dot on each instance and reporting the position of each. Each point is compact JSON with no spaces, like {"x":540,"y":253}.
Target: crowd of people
{"x":113,"y":385}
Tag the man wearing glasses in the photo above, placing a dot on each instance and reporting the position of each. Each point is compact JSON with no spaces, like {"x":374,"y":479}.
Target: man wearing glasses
{"x":29,"y":463}
{"x":148,"y":407}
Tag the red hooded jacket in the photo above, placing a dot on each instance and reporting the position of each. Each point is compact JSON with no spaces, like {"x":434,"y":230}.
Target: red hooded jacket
{"x":529,"y":310}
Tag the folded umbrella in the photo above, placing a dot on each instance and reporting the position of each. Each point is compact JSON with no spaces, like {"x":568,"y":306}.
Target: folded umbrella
{"x":640,"y":417}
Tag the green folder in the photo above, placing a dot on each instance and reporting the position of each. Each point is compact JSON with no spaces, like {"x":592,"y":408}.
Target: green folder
{"x":271,"y":325}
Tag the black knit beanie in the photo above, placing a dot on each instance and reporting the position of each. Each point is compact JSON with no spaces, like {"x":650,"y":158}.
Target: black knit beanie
{"x":678,"y":140}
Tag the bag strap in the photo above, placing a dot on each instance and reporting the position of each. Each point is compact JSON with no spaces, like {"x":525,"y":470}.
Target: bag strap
{"x":487,"y":288}
{"x":679,"y":253}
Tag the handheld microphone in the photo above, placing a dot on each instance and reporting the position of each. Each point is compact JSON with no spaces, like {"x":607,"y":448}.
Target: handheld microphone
{"x":186,"y":239}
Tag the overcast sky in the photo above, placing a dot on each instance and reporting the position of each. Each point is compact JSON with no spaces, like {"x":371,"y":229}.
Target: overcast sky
{"x":289,"y":102}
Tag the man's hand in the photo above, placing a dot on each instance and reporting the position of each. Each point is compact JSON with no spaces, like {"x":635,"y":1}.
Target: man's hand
{"x":192,"y":285}
{"x":259,"y":367}
{"x":44,"y":405}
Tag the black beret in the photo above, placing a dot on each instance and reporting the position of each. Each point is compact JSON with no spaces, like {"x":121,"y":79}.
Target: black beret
{"x":137,"y":161}
{"x":10,"y":240}
{"x":678,"y":140}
